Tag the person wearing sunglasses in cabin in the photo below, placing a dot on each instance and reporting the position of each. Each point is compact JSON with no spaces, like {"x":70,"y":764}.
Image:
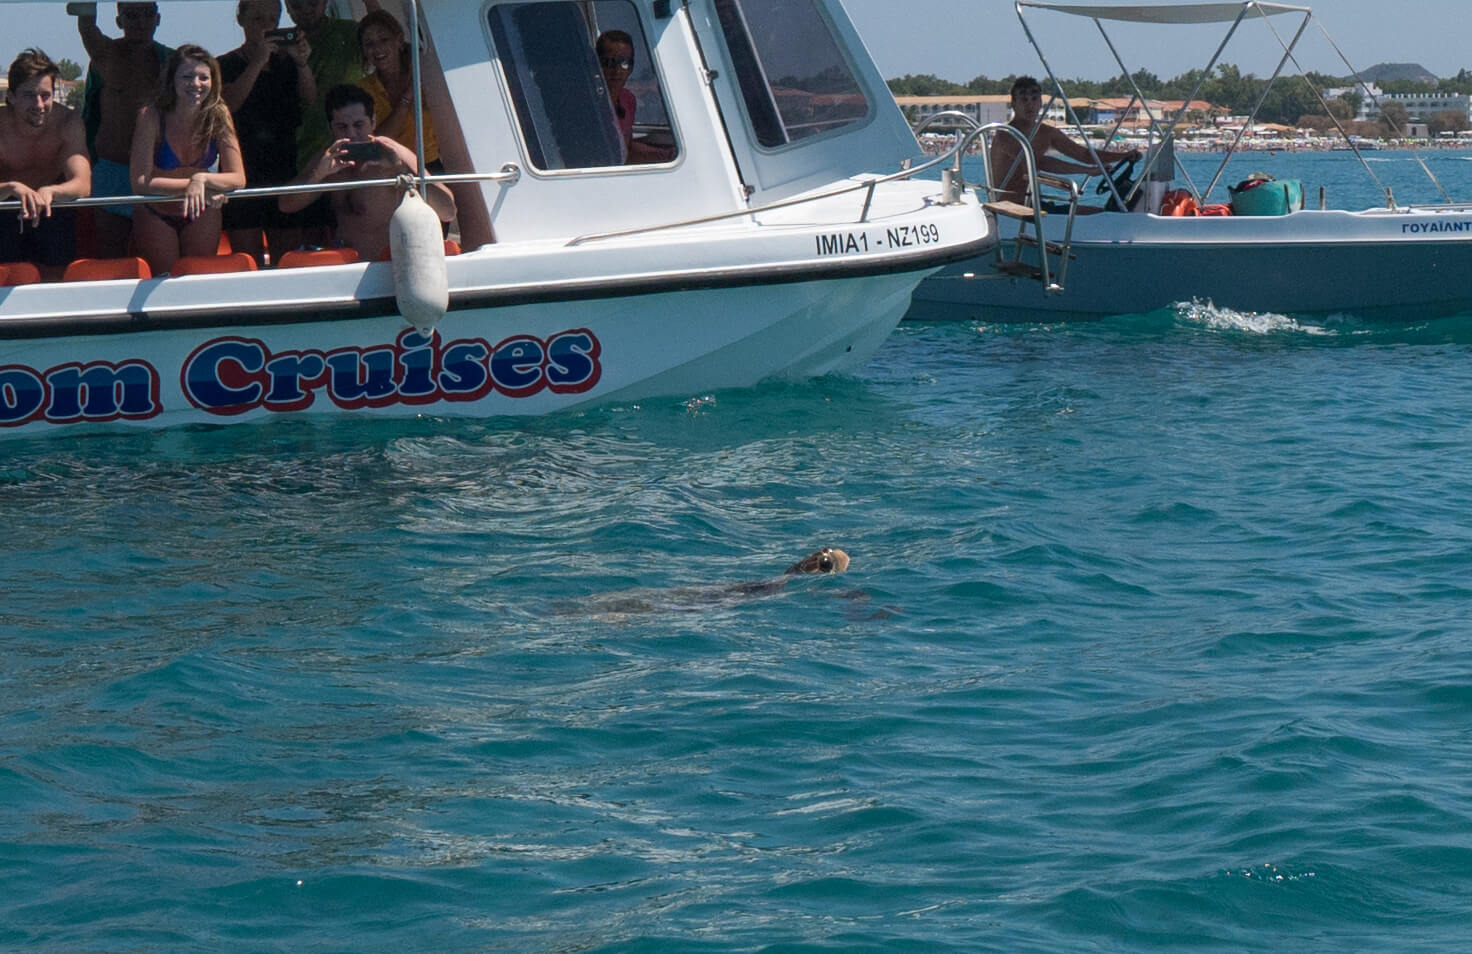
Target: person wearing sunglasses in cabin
{"x":615,"y":50}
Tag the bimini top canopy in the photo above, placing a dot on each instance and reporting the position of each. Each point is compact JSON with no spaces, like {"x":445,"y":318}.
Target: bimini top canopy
{"x":1174,"y":13}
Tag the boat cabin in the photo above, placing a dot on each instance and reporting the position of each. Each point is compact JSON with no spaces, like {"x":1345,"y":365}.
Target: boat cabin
{"x":781,"y":104}
{"x":737,"y":103}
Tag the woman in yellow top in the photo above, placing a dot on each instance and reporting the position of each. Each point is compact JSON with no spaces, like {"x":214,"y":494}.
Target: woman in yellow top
{"x":389,"y":82}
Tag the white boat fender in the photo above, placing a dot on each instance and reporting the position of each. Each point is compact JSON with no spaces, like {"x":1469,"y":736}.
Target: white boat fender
{"x":417,"y":247}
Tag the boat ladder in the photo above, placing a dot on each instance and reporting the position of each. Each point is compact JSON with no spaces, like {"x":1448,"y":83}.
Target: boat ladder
{"x":1049,"y":263}
{"x":1032,"y":255}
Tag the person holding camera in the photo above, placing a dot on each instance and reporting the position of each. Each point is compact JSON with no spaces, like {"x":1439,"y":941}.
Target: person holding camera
{"x":361,"y":216}
{"x":335,"y":58}
{"x":268,"y":84}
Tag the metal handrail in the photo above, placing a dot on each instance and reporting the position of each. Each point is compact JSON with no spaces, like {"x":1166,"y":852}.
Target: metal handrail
{"x":1034,"y":195}
{"x":928,"y":121}
{"x":509,"y":174}
{"x":1035,"y":181}
{"x":866,"y":186}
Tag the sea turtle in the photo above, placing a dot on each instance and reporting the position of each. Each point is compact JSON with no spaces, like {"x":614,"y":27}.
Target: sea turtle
{"x":695,"y":598}
{"x":826,"y":560}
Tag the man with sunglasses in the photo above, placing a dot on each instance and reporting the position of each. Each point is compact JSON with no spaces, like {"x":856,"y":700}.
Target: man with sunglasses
{"x":616,"y":57}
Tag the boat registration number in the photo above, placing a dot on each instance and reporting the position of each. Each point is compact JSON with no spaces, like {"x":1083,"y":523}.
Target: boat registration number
{"x":878,"y":240}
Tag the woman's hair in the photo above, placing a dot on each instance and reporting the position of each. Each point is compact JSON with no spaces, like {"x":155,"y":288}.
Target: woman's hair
{"x":214,"y":121}
{"x":387,"y":21}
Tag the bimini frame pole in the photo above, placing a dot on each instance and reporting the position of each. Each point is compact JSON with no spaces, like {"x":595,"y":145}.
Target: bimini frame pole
{"x":1252,"y":116}
{"x":422,"y":172}
{"x":1056,"y":93}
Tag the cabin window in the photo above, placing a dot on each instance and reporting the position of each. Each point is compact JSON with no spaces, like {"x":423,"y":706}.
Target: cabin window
{"x":794,"y":78}
{"x":562,"y":92}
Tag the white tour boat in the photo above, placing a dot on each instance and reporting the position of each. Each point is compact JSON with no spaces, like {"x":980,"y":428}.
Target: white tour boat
{"x":780,"y":233}
{"x":1397,"y":262}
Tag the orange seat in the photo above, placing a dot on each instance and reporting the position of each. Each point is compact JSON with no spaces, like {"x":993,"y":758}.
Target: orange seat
{"x":223,"y":246}
{"x":19,"y":273}
{"x":213,"y":264}
{"x":307,"y":257}
{"x":106,"y":269}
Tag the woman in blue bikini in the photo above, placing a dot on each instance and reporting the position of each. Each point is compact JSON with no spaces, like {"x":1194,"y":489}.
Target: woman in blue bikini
{"x":184,"y":146}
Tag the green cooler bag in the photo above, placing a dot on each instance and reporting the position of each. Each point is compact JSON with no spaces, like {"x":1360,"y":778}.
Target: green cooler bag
{"x":1261,"y":194}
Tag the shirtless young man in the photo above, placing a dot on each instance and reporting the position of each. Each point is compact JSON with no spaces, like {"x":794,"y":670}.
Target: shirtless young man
{"x":130,"y":68}
{"x":1027,"y":108}
{"x":43,"y":160}
{"x":362,"y":214}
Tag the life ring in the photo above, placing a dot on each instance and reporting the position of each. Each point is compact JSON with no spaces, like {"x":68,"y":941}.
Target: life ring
{"x":1178,"y":202}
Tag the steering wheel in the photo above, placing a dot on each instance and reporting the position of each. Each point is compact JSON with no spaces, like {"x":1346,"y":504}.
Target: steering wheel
{"x":1123,"y":176}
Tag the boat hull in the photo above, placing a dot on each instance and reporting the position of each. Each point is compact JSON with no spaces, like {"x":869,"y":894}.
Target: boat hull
{"x":523,"y":359}
{"x":1378,"y":265}
{"x":807,"y":289}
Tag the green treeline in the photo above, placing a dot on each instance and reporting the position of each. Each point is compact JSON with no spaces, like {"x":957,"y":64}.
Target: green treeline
{"x":1291,"y":97}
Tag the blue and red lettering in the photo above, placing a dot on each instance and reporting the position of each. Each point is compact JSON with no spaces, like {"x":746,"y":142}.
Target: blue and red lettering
{"x":572,"y":361}
{"x":232,"y":375}
{"x":97,"y":392}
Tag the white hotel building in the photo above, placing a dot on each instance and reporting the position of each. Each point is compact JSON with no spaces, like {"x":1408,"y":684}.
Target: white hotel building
{"x":1420,"y":107}
{"x":983,"y":109}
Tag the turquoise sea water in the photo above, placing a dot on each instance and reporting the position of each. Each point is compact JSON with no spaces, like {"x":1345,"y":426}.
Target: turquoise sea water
{"x":1346,"y":183}
{"x":1155,"y":638}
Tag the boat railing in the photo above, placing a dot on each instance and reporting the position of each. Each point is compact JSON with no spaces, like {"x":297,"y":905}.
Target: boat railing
{"x":951,"y":194}
{"x":508,"y":174}
{"x":998,"y":201}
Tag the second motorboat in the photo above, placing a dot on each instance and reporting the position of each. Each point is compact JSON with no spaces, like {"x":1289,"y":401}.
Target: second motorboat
{"x":1395,"y":262}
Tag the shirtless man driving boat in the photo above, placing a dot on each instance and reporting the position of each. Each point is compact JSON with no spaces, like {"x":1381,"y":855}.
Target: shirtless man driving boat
{"x":43,"y":160}
{"x":1006,"y":160}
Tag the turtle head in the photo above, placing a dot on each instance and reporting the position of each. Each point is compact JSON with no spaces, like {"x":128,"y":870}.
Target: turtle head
{"x":826,"y":560}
